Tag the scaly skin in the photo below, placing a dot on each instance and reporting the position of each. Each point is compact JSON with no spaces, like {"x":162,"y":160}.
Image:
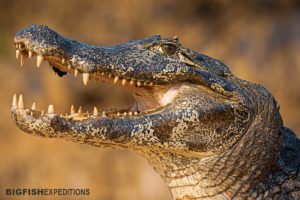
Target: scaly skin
{"x":207,"y":133}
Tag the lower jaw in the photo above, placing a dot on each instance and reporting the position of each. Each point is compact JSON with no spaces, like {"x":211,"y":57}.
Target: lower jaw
{"x":78,"y":115}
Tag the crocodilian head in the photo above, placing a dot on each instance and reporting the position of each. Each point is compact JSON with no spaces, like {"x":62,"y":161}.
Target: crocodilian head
{"x":185,"y":101}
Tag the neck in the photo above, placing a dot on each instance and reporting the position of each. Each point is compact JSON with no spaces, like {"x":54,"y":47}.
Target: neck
{"x":236,"y":172}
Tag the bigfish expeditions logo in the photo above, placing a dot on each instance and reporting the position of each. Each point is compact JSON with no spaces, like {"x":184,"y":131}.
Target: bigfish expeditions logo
{"x":47,"y":192}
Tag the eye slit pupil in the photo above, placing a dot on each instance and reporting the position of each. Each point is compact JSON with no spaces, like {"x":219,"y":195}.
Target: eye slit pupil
{"x":168,"y":49}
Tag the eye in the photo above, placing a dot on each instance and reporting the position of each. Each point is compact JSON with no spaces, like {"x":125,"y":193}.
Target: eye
{"x":168,"y":49}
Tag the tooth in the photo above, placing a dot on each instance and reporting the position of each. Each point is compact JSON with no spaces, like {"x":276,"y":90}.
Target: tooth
{"x":72,"y":110}
{"x":79,"y":109}
{"x":103,"y":113}
{"x":76,"y":73}
{"x":109,"y":75}
{"x":17,"y":45}
{"x":50,"y":109}
{"x":118,"y":114}
{"x":42,"y":113}
{"x":30,"y":54}
{"x":21,"y":102}
{"x":102,"y":73}
{"x":131,"y":82}
{"x":63,"y":61}
{"x":69,"y":66}
{"x":135,"y":113}
{"x":14,"y":103}
{"x":125,"y":113}
{"x":33,"y":107}
{"x":96,"y":111}
{"x":123,"y":81}
{"x":139,"y":83}
{"x":23,"y":59}
{"x":18,"y":53}
{"x":116,"y":80}
{"x":145,"y":83}
{"x":151,"y":84}
{"x":31,"y":114}
{"x":39,"y":60}
{"x":85,"y":78}
{"x":130,"y":113}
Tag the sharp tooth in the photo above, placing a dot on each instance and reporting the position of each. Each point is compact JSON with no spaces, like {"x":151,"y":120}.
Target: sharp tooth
{"x":76,"y":73}
{"x":31,"y":114}
{"x":145,"y":83}
{"x":102,"y":73}
{"x":118,"y":114}
{"x":123,"y":81}
{"x":72,"y":110}
{"x":30,"y":54}
{"x":131,"y":82}
{"x":14,"y":103}
{"x":151,"y":84}
{"x":63,"y":61}
{"x":69,"y":66}
{"x":135,"y":113}
{"x":96,"y":111}
{"x":50,"y":109}
{"x":109,"y":75}
{"x":79,"y":109}
{"x":125,"y":113}
{"x":139,"y":83}
{"x":23,"y":59}
{"x":42,"y":113}
{"x":33,"y":107}
{"x":39,"y":60}
{"x":103,"y":113}
{"x":17,"y":45}
{"x":85,"y":78}
{"x":130,"y":113}
{"x":21,"y":102}
{"x":18,"y":53}
{"x":116,"y":80}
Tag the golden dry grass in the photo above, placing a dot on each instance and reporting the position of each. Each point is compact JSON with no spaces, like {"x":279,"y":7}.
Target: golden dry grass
{"x":258,"y":40}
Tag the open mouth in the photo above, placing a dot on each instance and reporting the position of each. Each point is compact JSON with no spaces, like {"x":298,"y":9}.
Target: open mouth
{"x":149,"y":97}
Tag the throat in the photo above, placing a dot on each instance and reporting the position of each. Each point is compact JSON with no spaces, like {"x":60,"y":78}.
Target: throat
{"x":222,"y":176}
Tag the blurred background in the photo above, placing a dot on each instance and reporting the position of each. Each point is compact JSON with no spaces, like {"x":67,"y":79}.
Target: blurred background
{"x":259,"y":40}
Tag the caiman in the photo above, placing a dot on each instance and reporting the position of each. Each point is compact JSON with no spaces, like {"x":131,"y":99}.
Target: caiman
{"x":207,"y":133}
